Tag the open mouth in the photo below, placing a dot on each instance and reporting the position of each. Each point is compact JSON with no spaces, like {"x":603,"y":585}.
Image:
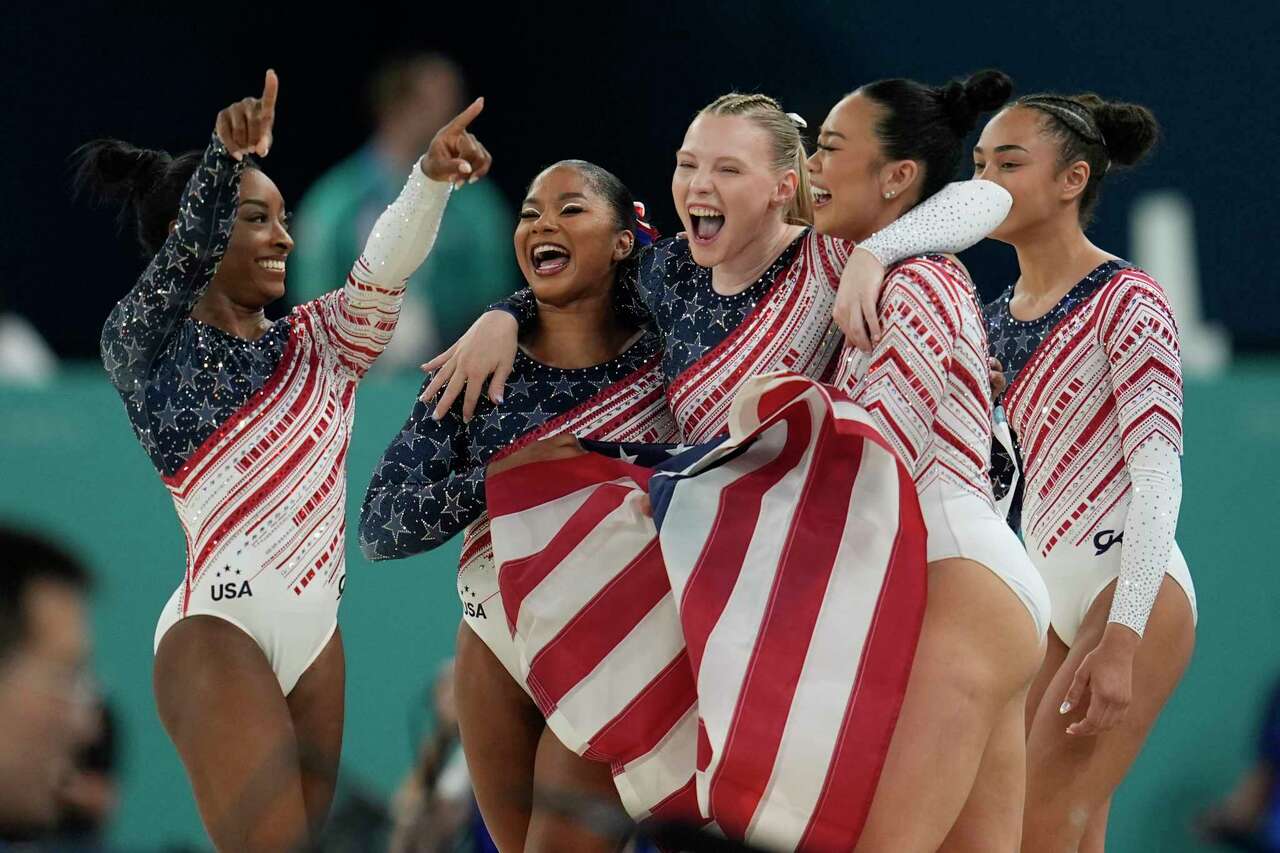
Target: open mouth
{"x":275,"y":265}
{"x":821,"y":196}
{"x":706,"y":221}
{"x":549,"y":258}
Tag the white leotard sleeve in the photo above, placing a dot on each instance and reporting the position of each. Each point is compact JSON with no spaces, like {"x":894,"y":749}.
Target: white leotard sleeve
{"x":357,"y":321}
{"x":405,"y":232}
{"x":1140,"y":339}
{"x":952,"y":220}
{"x":1156,"y":475}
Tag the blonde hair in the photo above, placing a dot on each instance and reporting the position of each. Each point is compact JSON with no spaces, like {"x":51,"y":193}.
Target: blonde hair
{"x":784,"y":134}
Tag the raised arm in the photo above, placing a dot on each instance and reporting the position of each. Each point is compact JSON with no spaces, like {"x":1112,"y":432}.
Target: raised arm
{"x":142,"y":323}
{"x":358,"y":321}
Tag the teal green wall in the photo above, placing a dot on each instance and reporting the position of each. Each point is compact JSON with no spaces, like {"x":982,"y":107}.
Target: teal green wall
{"x":69,"y":464}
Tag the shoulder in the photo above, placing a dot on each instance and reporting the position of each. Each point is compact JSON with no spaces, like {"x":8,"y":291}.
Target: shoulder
{"x":941,"y":275}
{"x":1128,"y":294}
{"x":663,"y":257}
{"x":936,"y":285}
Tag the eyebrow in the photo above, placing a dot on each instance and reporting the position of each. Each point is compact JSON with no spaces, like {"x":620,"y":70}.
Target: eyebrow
{"x":533,"y":199}
{"x":261,"y":204}
{"x":825,"y":132}
{"x":977,"y":149}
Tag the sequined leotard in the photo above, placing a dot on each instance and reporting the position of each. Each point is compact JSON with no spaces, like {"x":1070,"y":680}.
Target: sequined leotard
{"x":250,"y":436}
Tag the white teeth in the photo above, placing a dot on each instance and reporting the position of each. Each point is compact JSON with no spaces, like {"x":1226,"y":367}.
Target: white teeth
{"x":819,"y":194}
{"x":700,"y":210}
{"x":274,"y":266}
{"x":543,"y":249}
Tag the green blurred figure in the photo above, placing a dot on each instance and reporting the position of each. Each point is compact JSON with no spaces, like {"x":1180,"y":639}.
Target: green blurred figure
{"x":472,"y":263}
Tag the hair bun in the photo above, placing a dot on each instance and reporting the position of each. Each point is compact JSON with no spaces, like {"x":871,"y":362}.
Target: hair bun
{"x":1130,"y":130}
{"x":109,"y":168}
{"x":964,"y":101}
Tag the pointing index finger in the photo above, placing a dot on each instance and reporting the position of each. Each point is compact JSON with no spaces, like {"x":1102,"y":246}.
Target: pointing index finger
{"x":464,"y":118}
{"x":270,"y":87}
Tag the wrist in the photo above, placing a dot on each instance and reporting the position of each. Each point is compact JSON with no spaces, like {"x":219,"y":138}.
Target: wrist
{"x":866,"y":257}
{"x":1120,"y":639}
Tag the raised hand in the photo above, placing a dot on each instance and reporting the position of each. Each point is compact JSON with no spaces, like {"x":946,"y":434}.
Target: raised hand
{"x":245,"y":126}
{"x":455,"y":155}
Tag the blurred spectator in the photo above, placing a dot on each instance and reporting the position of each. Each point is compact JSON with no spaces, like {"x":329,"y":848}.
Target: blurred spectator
{"x":24,"y":356}
{"x":89,"y":797}
{"x":1249,"y":817}
{"x":472,"y":262}
{"x":46,"y":697}
{"x":435,"y":809}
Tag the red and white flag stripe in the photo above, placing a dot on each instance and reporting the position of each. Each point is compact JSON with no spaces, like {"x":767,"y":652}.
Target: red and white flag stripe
{"x":795,"y":552}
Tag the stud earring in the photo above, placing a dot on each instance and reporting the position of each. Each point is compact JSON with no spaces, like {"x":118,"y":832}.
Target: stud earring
{"x":889,"y":194}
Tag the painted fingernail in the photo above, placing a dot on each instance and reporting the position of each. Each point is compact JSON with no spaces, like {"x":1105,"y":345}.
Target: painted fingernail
{"x":498,"y":399}
{"x":1064,"y":707}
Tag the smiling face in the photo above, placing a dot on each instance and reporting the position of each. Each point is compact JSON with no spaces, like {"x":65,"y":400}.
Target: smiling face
{"x":1015,"y":153}
{"x":850,"y":173}
{"x":568,"y":240}
{"x":253,"y":268}
{"x":725,"y":187}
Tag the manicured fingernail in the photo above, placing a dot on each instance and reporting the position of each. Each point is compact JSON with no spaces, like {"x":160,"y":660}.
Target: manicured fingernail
{"x":473,"y":179}
{"x":498,"y":399}
{"x":1064,"y":707}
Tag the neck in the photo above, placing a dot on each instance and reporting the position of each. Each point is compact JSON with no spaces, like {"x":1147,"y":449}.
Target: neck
{"x":734,"y":274}
{"x":890,"y":211}
{"x":582,"y":333}
{"x":1054,"y":255}
{"x":217,"y":310}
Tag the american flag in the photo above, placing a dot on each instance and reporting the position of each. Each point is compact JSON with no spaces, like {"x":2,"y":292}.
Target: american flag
{"x":739,"y":647}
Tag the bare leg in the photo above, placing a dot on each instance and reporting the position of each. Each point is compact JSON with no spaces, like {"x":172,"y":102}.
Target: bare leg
{"x":221,"y":704}
{"x":978,"y":651}
{"x":1070,"y":779}
{"x":561,"y":771}
{"x":317,"y":704}
{"x":500,"y":727}
{"x":1055,"y":655}
{"x":991,"y":820}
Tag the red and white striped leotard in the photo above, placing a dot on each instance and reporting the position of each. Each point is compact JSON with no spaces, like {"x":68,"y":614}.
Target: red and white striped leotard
{"x":926,"y":386}
{"x":262,"y":499}
{"x":1098,"y":414}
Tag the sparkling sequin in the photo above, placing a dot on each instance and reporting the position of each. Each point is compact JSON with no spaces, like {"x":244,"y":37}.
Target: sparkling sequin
{"x":429,"y":484}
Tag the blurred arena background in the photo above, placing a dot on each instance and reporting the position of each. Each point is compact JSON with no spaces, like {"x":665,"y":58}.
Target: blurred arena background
{"x":616,"y":84}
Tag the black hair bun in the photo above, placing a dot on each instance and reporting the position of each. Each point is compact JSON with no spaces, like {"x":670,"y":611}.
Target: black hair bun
{"x":983,"y":92}
{"x":1130,"y":130}
{"x":109,"y":168}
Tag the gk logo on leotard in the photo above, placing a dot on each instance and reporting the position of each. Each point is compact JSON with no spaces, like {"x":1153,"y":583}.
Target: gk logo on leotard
{"x":342,"y":586}
{"x":1105,"y":539}
{"x":231,"y":590}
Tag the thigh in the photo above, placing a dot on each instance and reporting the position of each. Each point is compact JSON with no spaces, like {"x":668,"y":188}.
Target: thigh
{"x":500,"y":728}
{"x":991,"y":820}
{"x":221,"y":704}
{"x":317,"y":706}
{"x":569,"y":789}
{"x":1071,"y":778}
{"x":1054,"y":656}
{"x":978,"y":650}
